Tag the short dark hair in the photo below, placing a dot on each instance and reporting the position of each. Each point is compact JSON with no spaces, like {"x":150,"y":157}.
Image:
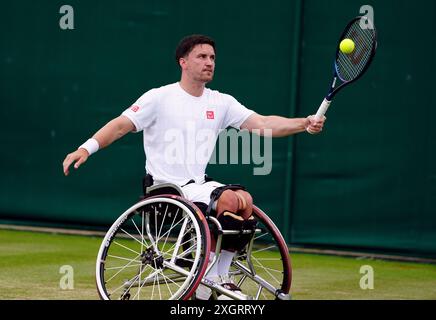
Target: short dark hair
{"x":188,"y":43}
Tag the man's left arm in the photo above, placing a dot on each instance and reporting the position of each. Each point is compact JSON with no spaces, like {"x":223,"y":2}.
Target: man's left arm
{"x":281,"y":126}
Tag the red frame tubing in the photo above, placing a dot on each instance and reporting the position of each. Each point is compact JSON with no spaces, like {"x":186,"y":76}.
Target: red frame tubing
{"x":283,"y":247}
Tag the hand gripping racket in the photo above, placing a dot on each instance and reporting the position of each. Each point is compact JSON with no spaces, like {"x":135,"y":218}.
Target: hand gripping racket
{"x":350,"y":67}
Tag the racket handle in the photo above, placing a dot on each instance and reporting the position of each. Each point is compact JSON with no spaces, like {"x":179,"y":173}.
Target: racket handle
{"x":322,"y":109}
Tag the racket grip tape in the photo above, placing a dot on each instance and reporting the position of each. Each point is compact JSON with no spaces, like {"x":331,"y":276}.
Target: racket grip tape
{"x":322,"y":109}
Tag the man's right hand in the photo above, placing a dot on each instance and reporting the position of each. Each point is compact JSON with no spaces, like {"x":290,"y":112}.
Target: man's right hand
{"x":112,"y":131}
{"x":79,"y":156}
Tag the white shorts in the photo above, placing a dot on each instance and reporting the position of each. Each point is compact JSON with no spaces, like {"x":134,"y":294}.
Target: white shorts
{"x":200,"y":192}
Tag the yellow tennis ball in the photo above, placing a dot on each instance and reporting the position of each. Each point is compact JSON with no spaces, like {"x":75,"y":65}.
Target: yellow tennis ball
{"x":347,"y":46}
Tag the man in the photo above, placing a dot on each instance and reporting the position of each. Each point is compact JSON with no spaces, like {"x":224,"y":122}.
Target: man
{"x":182,"y":107}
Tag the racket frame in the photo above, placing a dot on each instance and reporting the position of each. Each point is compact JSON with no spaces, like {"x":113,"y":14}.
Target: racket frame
{"x":336,"y":77}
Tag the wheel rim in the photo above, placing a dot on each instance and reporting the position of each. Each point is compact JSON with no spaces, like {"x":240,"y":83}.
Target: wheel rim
{"x":269,"y":271}
{"x":155,"y":250}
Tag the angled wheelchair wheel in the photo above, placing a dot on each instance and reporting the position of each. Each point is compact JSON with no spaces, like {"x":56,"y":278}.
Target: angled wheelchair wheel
{"x":154,"y":251}
{"x":263,"y":268}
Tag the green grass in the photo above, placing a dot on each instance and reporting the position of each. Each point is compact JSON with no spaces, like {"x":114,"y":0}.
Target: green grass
{"x":30,"y":264}
{"x":331,"y":277}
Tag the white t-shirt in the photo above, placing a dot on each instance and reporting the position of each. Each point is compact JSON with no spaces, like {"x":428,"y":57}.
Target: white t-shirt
{"x":180,"y":130}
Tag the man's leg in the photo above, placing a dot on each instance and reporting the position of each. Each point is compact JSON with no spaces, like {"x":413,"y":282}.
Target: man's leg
{"x":245,"y":204}
{"x":236,"y":205}
{"x":232,"y":209}
{"x":239,"y":202}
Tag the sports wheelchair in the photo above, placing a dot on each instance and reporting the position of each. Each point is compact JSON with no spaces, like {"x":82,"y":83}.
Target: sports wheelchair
{"x":159,"y":249}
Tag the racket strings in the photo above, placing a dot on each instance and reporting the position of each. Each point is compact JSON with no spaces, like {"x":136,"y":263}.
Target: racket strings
{"x":350,"y":66}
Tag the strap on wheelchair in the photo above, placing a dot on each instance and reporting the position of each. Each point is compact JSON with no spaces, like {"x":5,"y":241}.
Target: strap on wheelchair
{"x":217,"y":193}
{"x":231,"y":221}
{"x":147,"y":181}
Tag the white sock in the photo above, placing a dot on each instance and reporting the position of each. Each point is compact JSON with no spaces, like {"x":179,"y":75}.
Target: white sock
{"x":224,"y":262}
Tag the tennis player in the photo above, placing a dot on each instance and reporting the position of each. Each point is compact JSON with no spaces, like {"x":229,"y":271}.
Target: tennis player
{"x":177,"y":106}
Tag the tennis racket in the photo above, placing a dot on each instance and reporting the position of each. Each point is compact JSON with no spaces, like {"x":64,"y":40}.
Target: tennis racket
{"x":350,"y":67}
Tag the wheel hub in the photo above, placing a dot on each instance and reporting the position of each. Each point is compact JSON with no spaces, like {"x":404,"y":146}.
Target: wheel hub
{"x":150,"y":257}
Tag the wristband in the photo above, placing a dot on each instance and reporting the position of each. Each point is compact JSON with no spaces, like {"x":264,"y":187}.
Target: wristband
{"x":91,"y":145}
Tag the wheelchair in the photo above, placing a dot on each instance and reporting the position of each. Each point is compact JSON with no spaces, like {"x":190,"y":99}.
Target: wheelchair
{"x":159,"y":249}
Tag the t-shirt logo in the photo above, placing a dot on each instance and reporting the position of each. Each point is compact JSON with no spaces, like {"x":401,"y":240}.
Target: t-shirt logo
{"x":210,"y":115}
{"x":134,"y":108}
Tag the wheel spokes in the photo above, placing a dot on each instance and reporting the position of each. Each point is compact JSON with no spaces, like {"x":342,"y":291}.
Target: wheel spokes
{"x":160,"y":257}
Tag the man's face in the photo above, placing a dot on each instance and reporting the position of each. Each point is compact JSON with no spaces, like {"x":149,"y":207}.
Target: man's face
{"x":199,"y":64}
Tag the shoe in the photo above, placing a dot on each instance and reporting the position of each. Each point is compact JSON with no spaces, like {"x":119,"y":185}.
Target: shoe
{"x":205,"y":293}
{"x":229,"y":284}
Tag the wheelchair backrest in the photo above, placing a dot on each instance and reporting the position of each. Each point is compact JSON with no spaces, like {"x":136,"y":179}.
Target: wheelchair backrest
{"x":164,"y":188}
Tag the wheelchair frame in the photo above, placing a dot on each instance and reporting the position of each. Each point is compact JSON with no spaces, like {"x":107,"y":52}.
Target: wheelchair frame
{"x":244,"y":264}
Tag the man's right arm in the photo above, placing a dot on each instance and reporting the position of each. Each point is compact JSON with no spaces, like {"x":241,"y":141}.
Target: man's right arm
{"x":112,"y":131}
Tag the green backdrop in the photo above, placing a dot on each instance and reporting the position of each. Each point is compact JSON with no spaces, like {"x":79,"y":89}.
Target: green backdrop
{"x":368,"y":182}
